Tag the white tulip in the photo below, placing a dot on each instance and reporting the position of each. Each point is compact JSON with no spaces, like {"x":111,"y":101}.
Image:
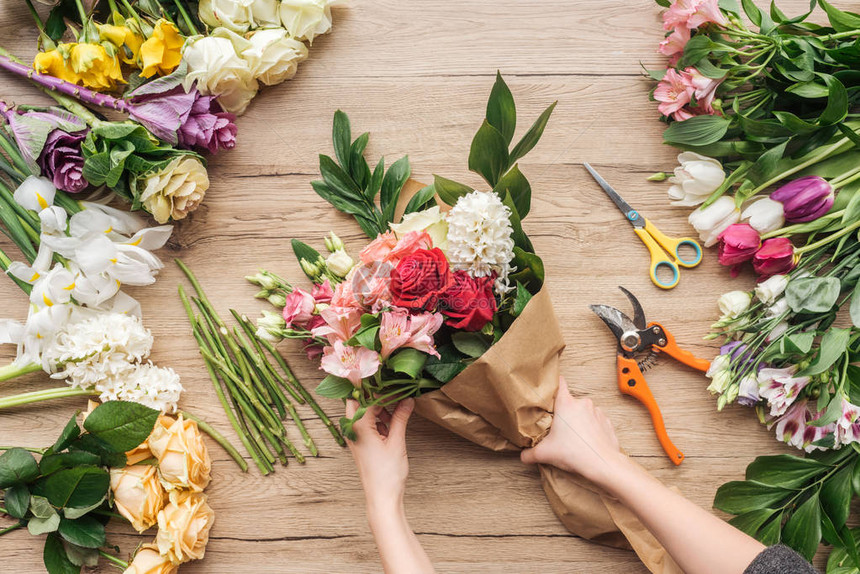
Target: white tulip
{"x":273,"y":56}
{"x":768,"y":290}
{"x":711,"y":221}
{"x":764,"y":215}
{"x":35,"y":193}
{"x":695,"y":179}
{"x":306,"y":19}
{"x":734,"y":303}
{"x":215,"y":65}
{"x":235,"y":15}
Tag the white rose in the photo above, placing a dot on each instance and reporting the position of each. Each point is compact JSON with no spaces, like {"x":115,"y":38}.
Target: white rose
{"x":764,"y":215}
{"x":266,"y":13}
{"x":215,"y":65}
{"x":711,"y":221}
{"x":767,"y":291}
{"x":176,"y":190}
{"x":234,"y":15}
{"x":340,"y":263}
{"x":429,"y":220}
{"x":695,"y":179}
{"x":306,"y":19}
{"x":734,"y":303}
{"x":273,"y":56}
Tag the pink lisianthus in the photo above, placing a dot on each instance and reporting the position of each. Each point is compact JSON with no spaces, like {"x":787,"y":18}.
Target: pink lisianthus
{"x":322,"y":293}
{"x":397,"y":329}
{"x":780,"y":388}
{"x":379,"y":248}
{"x":674,"y":43}
{"x":370,"y":285}
{"x":691,"y":14}
{"x":340,"y":324}
{"x":299,"y":308}
{"x":353,"y":363}
{"x":409,"y":244}
{"x":673,"y":92}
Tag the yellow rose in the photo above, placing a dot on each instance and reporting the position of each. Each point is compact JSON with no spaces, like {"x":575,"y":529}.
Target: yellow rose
{"x":162,"y":51}
{"x":137,"y":494}
{"x":54,"y":64}
{"x":124,"y":38}
{"x":94,"y":66}
{"x":183,"y":526}
{"x":149,"y":560}
{"x":183,"y":461}
{"x":176,"y":190}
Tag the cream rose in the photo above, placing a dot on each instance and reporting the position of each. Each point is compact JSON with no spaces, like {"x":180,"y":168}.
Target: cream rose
{"x":183,"y":461}
{"x":274,"y":56}
{"x":183,"y":527}
{"x":176,"y":190}
{"x":214,"y":63}
{"x":137,"y":494}
{"x":234,"y":15}
{"x":265,"y":13}
{"x":429,"y":220}
{"x":149,"y":560}
{"x":306,"y":19}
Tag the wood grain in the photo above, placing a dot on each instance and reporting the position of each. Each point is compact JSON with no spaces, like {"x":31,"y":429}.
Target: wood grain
{"x":416,"y":74}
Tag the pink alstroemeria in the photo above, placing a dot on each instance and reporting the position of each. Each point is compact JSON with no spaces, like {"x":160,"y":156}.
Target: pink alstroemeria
{"x":353,"y":363}
{"x":393,"y":332}
{"x":673,"y":92}
{"x":397,"y":329}
{"x":422,"y":328}
{"x":794,"y":429}
{"x":693,"y":13}
{"x":299,"y":308}
{"x":340,"y":324}
{"x":848,"y":424}
{"x":705,"y":89}
{"x":780,"y":388}
{"x":322,"y":293}
{"x":675,"y":42}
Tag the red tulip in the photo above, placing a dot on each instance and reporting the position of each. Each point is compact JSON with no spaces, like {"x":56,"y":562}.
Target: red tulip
{"x":738,"y":243}
{"x":776,"y":256}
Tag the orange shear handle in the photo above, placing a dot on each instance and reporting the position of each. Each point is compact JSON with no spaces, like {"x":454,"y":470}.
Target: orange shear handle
{"x":632,"y":382}
{"x":672,"y":349}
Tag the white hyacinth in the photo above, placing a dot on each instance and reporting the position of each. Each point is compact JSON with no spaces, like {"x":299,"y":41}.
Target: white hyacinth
{"x":155,"y":387}
{"x":479,"y":237}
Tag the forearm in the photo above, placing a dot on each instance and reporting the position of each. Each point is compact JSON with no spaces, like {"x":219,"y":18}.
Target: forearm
{"x":699,"y":542}
{"x":399,"y":548}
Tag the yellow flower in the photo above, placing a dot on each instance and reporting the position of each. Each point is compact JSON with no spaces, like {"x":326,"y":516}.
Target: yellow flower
{"x":55,"y":64}
{"x":183,"y":527}
{"x":126,"y":40}
{"x":162,"y":51}
{"x":149,"y":560}
{"x":183,"y":461}
{"x":137,"y":494}
{"x":96,"y":68}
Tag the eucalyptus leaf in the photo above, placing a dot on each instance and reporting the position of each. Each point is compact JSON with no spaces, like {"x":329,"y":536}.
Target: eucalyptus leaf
{"x":812,"y":294}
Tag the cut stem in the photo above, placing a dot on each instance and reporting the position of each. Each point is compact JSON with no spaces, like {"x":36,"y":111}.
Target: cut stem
{"x":219,"y":438}
{"x":46,"y":395}
{"x":14,"y":371}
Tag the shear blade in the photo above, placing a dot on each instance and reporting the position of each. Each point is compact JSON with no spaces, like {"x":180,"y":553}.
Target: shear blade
{"x":618,"y":322}
{"x":638,"y":312}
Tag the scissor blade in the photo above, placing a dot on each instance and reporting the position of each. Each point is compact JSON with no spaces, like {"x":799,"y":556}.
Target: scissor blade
{"x":638,"y":312}
{"x":618,"y":322}
{"x":631,"y":214}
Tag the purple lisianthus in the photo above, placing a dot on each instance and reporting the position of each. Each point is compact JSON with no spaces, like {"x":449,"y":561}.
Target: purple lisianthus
{"x":62,"y":161}
{"x":208,"y":126}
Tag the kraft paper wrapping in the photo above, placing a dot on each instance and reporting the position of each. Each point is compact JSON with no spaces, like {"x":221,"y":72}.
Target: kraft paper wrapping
{"x":504,"y":400}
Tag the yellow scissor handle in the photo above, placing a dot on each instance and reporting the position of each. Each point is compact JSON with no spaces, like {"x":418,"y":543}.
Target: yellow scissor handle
{"x":658,"y":259}
{"x":673,"y":246}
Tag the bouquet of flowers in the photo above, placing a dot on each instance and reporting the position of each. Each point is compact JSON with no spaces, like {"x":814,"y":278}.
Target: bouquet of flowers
{"x":445,"y":303}
{"x":778,"y":106}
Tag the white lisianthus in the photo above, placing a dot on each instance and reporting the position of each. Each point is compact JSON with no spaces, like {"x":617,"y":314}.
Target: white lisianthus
{"x":479,"y":237}
{"x":711,"y":221}
{"x":768,"y":290}
{"x":234,"y":15}
{"x":266,"y":13}
{"x":429,"y":220}
{"x":695,"y":179}
{"x":270,"y":326}
{"x":340,"y":263}
{"x":734,"y":303}
{"x":764,"y":215}
{"x":274,"y":56}
{"x":216,"y":67}
{"x":306,"y":19}
{"x":777,"y":309}
{"x":176,"y":190}
{"x":777,"y":331}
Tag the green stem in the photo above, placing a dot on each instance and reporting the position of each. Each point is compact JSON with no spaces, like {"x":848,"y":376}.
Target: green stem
{"x":219,"y":438}
{"x":27,"y":448}
{"x":113,"y":559}
{"x":13,"y":371}
{"x":191,"y":27}
{"x":791,"y":229}
{"x":828,"y":239}
{"x":843,"y":182}
{"x":15,"y":156}
{"x":839,"y":35}
{"x":813,"y":160}
{"x":46,"y":395}
{"x":11,"y":528}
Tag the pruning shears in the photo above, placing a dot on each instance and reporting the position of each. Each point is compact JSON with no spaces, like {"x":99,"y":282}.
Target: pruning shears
{"x":635,"y":338}
{"x":665,"y":251}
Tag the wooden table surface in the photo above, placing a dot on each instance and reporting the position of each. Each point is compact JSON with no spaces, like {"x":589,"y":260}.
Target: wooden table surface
{"x":416,"y":74}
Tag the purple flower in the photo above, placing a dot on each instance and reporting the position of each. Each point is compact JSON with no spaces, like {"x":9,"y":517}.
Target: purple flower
{"x":805,"y":199}
{"x":62,"y":161}
{"x":208,"y":126}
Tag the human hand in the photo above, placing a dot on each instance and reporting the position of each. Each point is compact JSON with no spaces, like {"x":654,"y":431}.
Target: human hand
{"x":581,"y":439}
{"x":379,"y":452}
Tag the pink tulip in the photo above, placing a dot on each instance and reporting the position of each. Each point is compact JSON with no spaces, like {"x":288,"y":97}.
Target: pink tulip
{"x":673,"y":92}
{"x":738,"y":243}
{"x":775,"y":257}
{"x":805,"y":199}
{"x":299,"y":308}
{"x":353,"y":363}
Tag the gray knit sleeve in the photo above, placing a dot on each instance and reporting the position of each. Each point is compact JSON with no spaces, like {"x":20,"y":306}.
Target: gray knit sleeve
{"x":780,"y":560}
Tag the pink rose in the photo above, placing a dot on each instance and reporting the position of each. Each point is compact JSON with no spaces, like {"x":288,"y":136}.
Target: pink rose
{"x":379,"y":248}
{"x":299,"y":308}
{"x":370,"y":285}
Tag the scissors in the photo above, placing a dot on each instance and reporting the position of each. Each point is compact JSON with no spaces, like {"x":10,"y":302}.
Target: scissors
{"x":670,"y":254}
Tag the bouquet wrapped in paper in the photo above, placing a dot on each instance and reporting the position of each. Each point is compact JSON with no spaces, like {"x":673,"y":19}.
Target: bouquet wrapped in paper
{"x":447,"y":305}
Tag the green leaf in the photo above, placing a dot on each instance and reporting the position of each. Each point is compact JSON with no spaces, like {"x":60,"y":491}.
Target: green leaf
{"x":697,"y":48}
{"x":488,"y":156}
{"x":77,"y":487}
{"x":333,"y":387}
{"x":803,"y":530}
{"x":40,"y":507}
{"x":37,"y":526}
{"x":122,"y":425}
{"x":81,"y":556}
{"x":840,"y":20}
{"x":376,"y":180}
{"x":522,"y":299}
{"x":338,"y":180}
{"x":515,"y":183}
{"x":832,"y":346}
{"x":799,"y":342}
{"x":501,"y":110}
{"x":450,"y":191}
{"x":17,"y":466}
{"x":519,"y":236}
{"x":51,"y":463}
{"x":529,"y":267}
{"x":75,"y":513}
{"x":836,"y":496}
{"x":407,"y":361}
{"x":531,"y":137}
{"x":811,"y":90}
{"x":738,"y":497}
{"x":86,"y":532}
{"x":55,"y":558}
{"x":837,"y":102}
{"x":771,"y":533}
{"x":750,"y":522}
{"x":752,"y":12}
{"x":697,"y":131}
{"x":17,"y":500}
{"x":341,"y":136}
{"x":365,"y":337}
{"x":470,"y":344}
{"x":833,"y":411}
{"x":784,"y":470}
{"x":115,"y":130}
{"x":812,"y":294}
{"x":448,"y":365}
{"x":421,"y":199}
{"x":392,"y":184}
{"x":89,"y":443}
{"x":70,"y":432}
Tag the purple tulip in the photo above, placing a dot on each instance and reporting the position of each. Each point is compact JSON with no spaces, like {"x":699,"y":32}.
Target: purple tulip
{"x":805,"y":199}
{"x":208,"y":126}
{"x":62,"y":161}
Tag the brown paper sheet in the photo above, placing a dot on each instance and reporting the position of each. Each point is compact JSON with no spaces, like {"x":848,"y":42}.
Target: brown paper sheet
{"x":504,"y":401}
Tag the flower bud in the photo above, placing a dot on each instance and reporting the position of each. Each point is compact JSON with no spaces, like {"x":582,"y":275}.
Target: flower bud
{"x":340,"y":263}
{"x":311,"y":269}
{"x":277,"y":299}
{"x":775,"y":256}
{"x":731,"y":393}
{"x":333,"y":242}
{"x":738,"y":243}
{"x":734,"y":303}
{"x":659,"y":176}
{"x":805,"y":199}
{"x":262,"y":280}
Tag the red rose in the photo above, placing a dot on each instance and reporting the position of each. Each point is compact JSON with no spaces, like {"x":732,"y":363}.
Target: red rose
{"x":419,"y":279}
{"x":469,"y":303}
